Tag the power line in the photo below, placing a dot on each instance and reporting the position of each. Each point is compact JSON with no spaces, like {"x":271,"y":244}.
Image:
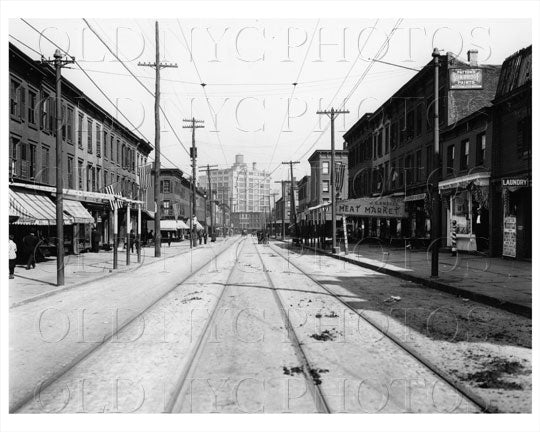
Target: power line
{"x":292,"y":92}
{"x":138,"y":80}
{"x":97,"y":87}
{"x":203,"y":85}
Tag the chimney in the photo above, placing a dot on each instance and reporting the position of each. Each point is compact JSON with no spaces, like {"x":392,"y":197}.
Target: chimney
{"x":472,"y":57}
{"x":254,"y":166}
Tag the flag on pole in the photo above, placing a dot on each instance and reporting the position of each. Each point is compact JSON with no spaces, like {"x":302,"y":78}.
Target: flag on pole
{"x":340,"y":176}
{"x":113,"y":201}
{"x":145,"y":176}
{"x":176,"y":210}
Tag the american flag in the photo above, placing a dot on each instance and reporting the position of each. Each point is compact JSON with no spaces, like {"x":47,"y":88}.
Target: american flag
{"x":113,"y":201}
{"x":340,"y":176}
{"x":145,"y":176}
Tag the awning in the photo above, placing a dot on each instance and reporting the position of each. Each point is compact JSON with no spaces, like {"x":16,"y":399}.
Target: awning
{"x":167,"y":225}
{"x":78,"y":212}
{"x":181,"y":225}
{"x":149,"y":214}
{"x":33,"y":209}
{"x":480,"y":179}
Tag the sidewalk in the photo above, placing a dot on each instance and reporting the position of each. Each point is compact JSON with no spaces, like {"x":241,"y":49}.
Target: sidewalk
{"x":503,"y":283}
{"x":83,"y":268}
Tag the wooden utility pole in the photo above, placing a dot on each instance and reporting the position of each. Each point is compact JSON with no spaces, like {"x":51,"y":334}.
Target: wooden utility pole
{"x":158,"y":65}
{"x":293,"y":204}
{"x":436,"y":201}
{"x":283,"y":182}
{"x":193,"y":124}
{"x":208,"y":170}
{"x":275,"y":214}
{"x":58,"y":63}
{"x":333,"y":114}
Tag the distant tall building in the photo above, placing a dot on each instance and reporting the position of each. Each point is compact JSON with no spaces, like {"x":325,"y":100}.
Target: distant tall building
{"x":245,"y":189}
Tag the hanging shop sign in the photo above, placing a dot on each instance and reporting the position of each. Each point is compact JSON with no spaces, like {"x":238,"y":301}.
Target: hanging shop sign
{"x":515,"y":182}
{"x":465,"y":79}
{"x":509,"y":237}
{"x":373,"y":207}
{"x":417,"y":197}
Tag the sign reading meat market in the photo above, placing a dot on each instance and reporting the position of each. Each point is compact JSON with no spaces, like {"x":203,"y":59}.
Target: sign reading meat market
{"x":373,"y":207}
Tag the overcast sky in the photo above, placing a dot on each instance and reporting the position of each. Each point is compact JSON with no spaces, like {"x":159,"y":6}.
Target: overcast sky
{"x":249,"y":67}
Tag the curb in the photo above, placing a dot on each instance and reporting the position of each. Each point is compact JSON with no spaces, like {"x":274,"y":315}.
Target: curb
{"x":110,"y":274}
{"x":514,"y":308}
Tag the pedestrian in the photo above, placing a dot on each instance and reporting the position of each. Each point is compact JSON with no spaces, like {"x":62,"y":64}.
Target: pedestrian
{"x":150,"y":237}
{"x":169,"y":239}
{"x":131,"y":240}
{"x":30,"y":243}
{"x":12,"y":256}
{"x":95,"y":240}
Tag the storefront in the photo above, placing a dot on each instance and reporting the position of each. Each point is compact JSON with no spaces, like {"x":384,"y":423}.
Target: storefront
{"x":517,"y":217}
{"x":466,"y":201}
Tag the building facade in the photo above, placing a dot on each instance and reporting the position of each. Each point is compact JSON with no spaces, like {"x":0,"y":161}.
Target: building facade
{"x":98,"y":150}
{"x":511,"y":180}
{"x":392,"y":148}
{"x":320,"y":176}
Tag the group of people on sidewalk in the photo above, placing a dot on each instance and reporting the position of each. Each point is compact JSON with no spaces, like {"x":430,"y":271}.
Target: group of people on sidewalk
{"x":30,"y":249}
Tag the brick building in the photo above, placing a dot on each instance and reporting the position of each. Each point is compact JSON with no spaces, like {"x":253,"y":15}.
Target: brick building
{"x":98,"y":151}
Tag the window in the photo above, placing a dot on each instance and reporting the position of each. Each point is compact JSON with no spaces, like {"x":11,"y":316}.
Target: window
{"x":410,"y":126}
{"x":80,"y":174}
{"x":419,"y":166}
{"x":70,"y":172}
{"x":480,"y":148}
{"x":89,"y":132}
{"x":378,"y":138}
{"x":32,"y":99}
{"x":325,"y":186}
{"x":98,"y":179}
{"x":464,"y":155}
{"x":394,"y":135}
{"x":89,"y":177}
{"x":24,"y":161}
{"x":409,"y":174}
{"x":387,"y":139}
{"x":80,"y":131}
{"x":94,"y":179}
{"x":45,"y":165}
{"x":450,"y":157}
{"x":32,"y":161}
{"x":14,"y":165}
{"x":123,"y":156}
{"x":112,"y":148}
{"x":429,"y":161}
{"x":98,"y":140}
{"x":419,"y":120}
{"x":325,"y":167}
{"x":16,"y":99}
{"x":69,"y":125}
{"x":118,"y":152}
{"x":105,"y":143}
{"x":63,"y":126}
{"x":524,"y":136}
{"x":105,"y":178}
{"x":166,"y":186}
{"x":46,"y":117}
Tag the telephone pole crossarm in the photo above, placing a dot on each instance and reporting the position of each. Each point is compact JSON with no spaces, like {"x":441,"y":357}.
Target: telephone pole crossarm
{"x":333,"y":113}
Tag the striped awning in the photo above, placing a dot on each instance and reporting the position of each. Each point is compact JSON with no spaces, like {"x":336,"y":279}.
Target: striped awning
{"x":33,"y":209}
{"x":78,"y":212}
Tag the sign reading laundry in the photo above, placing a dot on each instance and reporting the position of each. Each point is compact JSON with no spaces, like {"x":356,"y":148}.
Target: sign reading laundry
{"x":374,"y":207}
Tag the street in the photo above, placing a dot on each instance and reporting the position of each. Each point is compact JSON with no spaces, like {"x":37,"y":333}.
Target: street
{"x":268,"y":329}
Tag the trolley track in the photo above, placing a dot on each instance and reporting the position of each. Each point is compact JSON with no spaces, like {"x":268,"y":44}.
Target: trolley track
{"x":30,"y":396}
{"x":189,"y":374}
{"x":467,"y":393}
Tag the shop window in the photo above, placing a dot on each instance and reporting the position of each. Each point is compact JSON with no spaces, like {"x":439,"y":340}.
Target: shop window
{"x":480,"y":148}
{"x":461,"y":212}
{"x":464,"y":155}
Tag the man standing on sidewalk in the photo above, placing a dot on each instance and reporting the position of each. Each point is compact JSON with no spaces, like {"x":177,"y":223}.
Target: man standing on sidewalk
{"x":12,"y":256}
{"x":30,"y":243}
